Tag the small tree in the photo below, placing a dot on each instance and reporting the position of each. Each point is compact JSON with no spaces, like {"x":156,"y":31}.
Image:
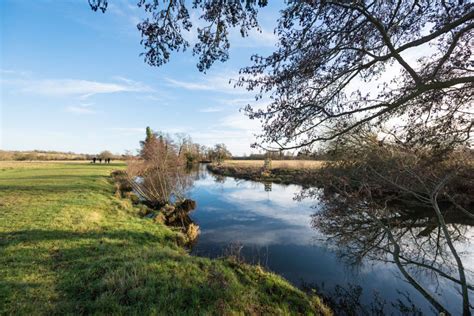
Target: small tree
{"x":106,"y":155}
{"x":219,"y":153}
{"x":149,"y":145}
{"x":160,"y":171}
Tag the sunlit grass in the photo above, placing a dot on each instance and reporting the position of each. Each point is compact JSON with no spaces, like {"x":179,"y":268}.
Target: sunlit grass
{"x":69,"y":246}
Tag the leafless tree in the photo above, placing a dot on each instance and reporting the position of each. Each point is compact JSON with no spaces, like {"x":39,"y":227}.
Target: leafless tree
{"x":388,"y":198}
{"x":158,"y":175}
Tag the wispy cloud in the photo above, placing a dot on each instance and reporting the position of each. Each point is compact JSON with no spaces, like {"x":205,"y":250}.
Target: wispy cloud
{"x":14,"y":73}
{"x":84,"y":88}
{"x":262,"y":38}
{"x":238,"y":141}
{"x":222,"y":82}
{"x":79,"y":110}
{"x":82,"y":108}
{"x":236,"y":102}
{"x":75,"y":87}
{"x":211,"y":109}
{"x":241,"y":122}
{"x":126,"y":10}
{"x":188,"y":85}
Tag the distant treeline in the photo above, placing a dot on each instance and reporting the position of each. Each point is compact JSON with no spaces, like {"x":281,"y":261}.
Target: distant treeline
{"x":47,"y":155}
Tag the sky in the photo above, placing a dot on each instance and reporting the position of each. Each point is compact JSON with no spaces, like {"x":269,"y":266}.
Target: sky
{"x":73,"y":80}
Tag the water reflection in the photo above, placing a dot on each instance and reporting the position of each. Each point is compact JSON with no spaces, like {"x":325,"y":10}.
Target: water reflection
{"x":289,"y":237}
{"x":413,"y":240}
{"x":267,"y":186}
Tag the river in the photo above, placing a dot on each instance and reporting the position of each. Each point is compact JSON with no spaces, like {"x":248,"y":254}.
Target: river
{"x":265,"y":225}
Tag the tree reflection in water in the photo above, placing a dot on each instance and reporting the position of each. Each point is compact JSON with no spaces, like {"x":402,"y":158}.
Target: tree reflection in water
{"x":413,"y":240}
{"x":347,"y":300}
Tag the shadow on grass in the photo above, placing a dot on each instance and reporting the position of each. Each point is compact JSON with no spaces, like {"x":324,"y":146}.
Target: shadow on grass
{"x":38,"y":235}
{"x":58,"y":184}
{"x":129,"y":272}
{"x":59,"y":177}
{"x":97,"y":271}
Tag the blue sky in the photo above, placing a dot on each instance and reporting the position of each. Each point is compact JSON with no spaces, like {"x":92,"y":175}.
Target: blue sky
{"x":72,"y":80}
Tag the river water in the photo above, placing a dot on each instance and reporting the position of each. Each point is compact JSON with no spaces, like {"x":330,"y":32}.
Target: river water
{"x":265,"y":225}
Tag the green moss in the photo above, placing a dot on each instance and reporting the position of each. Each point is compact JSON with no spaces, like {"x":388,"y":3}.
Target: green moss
{"x":68,"y":245}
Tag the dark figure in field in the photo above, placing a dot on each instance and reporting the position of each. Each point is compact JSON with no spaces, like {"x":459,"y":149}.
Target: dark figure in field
{"x":94,"y":159}
{"x":100,"y":160}
{"x":108,"y":160}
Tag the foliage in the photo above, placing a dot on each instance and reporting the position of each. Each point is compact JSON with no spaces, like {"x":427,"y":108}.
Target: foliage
{"x":219,"y":153}
{"x":190,"y":152}
{"x":68,"y":246}
{"x":327,"y":51}
{"x":106,"y":155}
{"x":398,"y":171}
{"x":159,"y":175}
{"x":162,"y":32}
{"x":330,"y":73}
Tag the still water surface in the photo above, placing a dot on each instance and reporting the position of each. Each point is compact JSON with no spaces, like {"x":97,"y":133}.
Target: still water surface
{"x":275,"y":231}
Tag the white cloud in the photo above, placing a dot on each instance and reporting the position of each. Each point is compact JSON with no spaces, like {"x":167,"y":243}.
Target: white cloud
{"x":234,"y":130}
{"x":238,"y":142}
{"x":84,"y":88}
{"x":150,"y":97}
{"x":14,"y":73}
{"x":236,"y":102}
{"x":126,"y":10}
{"x":188,"y":85}
{"x":80,"y":109}
{"x":222,"y":82}
{"x":240,"y":121}
{"x":73,"y":87}
{"x":262,"y":38}
{"x":211,"y":109}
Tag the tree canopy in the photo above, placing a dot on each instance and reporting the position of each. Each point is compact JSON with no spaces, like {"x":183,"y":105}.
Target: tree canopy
{"x":328,"y":73}
{"x":329,"y":50}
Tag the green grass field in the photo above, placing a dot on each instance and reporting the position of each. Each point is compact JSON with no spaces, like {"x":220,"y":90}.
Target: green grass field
{"x":69,"y":246}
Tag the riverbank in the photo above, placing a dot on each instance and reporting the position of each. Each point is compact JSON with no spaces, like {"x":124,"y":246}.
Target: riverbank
{"x":70,"y":246}
{"x":302,"y":172}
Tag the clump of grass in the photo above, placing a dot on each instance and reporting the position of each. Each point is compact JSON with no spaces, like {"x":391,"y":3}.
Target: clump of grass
{"x":69,"y":246}
{"x":192,"y":232}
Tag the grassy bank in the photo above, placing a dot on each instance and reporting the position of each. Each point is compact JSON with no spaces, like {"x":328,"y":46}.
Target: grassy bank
{"x":303,"y":172}
{"x":68,"y":245}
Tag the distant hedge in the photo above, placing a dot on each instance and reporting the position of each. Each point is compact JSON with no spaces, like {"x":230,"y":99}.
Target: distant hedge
{"x":39,"y":155}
